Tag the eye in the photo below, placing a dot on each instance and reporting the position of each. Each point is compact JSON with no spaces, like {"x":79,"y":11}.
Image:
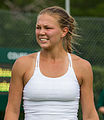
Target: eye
{"x":48,"y":27}
{"x":38,"y":27}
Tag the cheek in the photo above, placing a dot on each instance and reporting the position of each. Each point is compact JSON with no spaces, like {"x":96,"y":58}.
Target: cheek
{"x":55,"y":33}
{"x":58,"y":34}
{"x":37,"y":33}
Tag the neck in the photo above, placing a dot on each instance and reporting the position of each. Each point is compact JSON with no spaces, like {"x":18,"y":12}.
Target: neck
{"x":54,"y":54}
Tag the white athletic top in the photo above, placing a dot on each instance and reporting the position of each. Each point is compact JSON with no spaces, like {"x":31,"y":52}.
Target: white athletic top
{"x":47,"y":98}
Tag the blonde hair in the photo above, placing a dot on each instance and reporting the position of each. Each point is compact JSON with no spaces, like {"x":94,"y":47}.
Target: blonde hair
{"x":64,"y":20}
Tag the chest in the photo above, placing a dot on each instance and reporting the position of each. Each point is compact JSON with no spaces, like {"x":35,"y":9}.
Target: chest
{"x":64,"y":88}
{"x":53,"y":68}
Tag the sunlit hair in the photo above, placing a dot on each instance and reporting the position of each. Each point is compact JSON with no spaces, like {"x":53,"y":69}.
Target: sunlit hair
{"x":64,"y":20}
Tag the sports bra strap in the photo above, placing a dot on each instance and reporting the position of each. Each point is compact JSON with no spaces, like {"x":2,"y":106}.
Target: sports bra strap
{"x":37,"y":59}
{"x":70,"y":60}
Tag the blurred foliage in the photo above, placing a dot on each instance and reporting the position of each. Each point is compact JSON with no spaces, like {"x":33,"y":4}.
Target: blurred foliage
{"x":87,"y":8}
{"x":91,"y":43}
{"x":78,"y":8}
{"x":17,"y":30}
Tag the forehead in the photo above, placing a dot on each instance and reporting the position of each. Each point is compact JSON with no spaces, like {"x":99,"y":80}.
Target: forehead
{"x":47,"y":19}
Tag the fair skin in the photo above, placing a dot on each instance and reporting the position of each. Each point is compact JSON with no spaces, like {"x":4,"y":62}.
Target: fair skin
{"x":49,"y":36}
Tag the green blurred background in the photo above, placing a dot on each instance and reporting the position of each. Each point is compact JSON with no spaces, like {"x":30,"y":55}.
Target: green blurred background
{"x":17,"y":38}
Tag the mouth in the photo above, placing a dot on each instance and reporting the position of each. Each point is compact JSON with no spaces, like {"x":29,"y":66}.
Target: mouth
{"x":43,"y":39}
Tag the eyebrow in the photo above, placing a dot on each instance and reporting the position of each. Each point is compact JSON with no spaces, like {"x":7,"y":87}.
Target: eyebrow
{"x":44,"y":25}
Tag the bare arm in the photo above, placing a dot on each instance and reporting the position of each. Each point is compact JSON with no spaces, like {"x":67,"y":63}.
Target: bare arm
{"x":87,"y":98}
{"x":15,"y":92}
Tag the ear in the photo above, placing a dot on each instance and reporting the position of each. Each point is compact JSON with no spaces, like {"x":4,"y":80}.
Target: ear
{"x":65,"y":31}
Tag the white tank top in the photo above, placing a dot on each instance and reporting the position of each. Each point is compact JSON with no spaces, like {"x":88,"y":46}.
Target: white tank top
{"x":47,"y":98}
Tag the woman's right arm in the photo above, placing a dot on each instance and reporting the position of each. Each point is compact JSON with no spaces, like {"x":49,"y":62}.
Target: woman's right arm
{"x":15,"y":91}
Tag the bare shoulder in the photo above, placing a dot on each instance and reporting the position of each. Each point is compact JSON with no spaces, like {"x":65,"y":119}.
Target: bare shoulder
{"x":81,"y":63}
{"x":82,"y":68}
{"x":24,"y":62}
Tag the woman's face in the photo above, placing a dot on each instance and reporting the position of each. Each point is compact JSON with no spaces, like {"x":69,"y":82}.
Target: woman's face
{"x":48,"y":31}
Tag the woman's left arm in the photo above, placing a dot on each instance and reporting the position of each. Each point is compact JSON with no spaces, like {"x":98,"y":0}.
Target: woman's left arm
{"x":87,"y":98}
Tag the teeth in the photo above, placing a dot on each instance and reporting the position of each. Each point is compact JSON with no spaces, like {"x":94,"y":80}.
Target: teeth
{"x":43,"y":39}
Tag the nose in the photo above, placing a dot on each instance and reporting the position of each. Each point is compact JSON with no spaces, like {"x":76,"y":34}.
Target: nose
{"x":42,"y":31}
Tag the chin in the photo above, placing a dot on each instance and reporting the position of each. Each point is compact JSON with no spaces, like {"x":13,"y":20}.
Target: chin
{"x":45,"y":47}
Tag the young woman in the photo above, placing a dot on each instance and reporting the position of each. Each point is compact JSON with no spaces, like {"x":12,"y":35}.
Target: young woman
{"x":53,"y":80}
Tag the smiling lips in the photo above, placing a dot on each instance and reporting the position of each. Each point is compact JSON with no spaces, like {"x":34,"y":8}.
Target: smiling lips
{"x":43,"y":39}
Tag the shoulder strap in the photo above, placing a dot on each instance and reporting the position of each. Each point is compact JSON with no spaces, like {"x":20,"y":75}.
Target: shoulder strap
{"x":70,"y":59}
{"x":37,"y":59}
